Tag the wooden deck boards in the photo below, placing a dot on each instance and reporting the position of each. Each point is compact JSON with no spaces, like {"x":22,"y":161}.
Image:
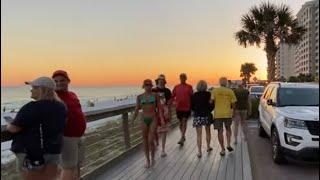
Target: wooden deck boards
{"x":183,"y":163}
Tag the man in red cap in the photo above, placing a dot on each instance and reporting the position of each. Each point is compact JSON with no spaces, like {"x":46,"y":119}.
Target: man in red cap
{"x":72,"y":151}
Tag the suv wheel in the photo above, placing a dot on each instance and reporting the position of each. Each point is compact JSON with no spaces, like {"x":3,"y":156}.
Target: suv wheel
{"x":277,"y":154}
{"x":262,"y":133}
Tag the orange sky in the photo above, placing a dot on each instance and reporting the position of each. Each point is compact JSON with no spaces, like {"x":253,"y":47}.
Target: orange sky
{"x":122,"y":44}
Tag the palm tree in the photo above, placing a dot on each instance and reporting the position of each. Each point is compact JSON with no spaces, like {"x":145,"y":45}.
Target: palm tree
{"x":269,"y":24}
{"x":247,"y":69}
{"x":255,"y":79}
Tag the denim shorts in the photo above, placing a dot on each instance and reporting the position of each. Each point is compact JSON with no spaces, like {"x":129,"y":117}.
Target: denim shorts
{"x":48,"y":158}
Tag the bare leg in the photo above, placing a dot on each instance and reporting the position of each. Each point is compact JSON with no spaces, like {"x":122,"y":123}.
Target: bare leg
{"x":69,"y":174}
{"x":151,"y":140}
{"x":208,"y":137}
{"x":49,"y":172}
{"x":156,"y":136}
{"x":145,"y":132}
{"x":184,"y":120}
{"x":236,"y":127}
{"x":228,"y":134}
{"x":181,"y":125}
{"x":199,"y":139}
{"x":164,"y":137}
{"x":244,"y":126}
{"x":220,"y":138}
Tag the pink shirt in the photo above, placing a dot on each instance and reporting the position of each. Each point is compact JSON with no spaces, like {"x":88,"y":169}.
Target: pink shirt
{"x":181,"y":94}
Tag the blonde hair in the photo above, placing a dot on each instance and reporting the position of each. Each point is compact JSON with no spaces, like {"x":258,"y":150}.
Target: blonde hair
{"x":48,"y":94}
{"x":202,"y":85}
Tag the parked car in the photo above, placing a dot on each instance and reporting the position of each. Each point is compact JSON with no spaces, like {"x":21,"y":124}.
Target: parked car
{"x":256,"y":91}
{"x":289,"y":114}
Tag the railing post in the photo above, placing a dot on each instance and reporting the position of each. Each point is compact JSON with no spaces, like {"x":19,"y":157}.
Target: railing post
{"x":126,"y":133}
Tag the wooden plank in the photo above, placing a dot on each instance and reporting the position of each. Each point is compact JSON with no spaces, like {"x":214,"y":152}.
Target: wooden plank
{"x":208,"y":166}
{"x":180,"y":159}
{"x":185,"y":162}
{"x":215,"y":165}
{"x":160,"y":162}
{"x":238,"y":162}
{"x":173,"y":151}
{"x":117,"y":173}
{"x":192,"y":166}
{"x":203,"y":169}
{"x":120,"y":167}
{"x":167,"y":162}
{"x":180,"y":153}
{"x":221,"y":174}
{"x":247,"y":174}
{"x":139,"y":169}
{"x":230,"y":168}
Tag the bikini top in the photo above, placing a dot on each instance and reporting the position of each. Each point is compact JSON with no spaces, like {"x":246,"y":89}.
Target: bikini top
{"x":151,"y":100}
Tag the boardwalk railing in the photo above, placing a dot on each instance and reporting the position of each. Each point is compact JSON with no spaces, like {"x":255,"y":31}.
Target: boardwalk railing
{"x":103,"y":144}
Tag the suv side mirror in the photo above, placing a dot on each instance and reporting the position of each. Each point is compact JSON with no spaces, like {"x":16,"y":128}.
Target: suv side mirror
{"x":270,"y":102}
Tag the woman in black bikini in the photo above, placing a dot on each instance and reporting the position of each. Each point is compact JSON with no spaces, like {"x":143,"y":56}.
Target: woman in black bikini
{"x":148,"y":102}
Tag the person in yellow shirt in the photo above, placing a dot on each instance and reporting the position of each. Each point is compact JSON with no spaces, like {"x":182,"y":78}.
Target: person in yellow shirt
{"x":224,"y":100}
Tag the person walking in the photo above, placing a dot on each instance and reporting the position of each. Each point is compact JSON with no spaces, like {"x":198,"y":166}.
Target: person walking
{"x":38,"y":131}
{"x":181,"y":95}
{"x":202,"y":108}
{"x":241,"y":110}
{"x":73,"y":149}
{"x":148,"y":102}
{"x":164,"y":115}
{"x":224,"y":100}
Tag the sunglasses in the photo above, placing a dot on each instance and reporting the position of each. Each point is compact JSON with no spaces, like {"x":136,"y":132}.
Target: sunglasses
{"x":147,"y":84}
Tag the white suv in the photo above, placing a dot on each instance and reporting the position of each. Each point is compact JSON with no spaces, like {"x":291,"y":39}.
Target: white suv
{"x":289,"y":114}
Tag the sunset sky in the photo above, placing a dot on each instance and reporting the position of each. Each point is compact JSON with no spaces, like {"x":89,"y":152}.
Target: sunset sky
{"x":122,"y":42}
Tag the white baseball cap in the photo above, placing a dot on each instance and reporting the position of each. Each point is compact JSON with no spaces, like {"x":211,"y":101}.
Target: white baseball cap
{"x":42,"y":82}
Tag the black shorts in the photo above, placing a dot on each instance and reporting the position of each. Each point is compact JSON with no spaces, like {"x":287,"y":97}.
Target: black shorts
{"x":183,"y":114}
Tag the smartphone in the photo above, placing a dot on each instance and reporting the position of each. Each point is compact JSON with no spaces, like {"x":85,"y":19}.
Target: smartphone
{"x":8,"y":119}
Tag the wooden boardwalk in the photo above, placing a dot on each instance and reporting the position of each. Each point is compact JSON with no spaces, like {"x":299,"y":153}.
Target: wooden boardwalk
{"x":183,"y":163}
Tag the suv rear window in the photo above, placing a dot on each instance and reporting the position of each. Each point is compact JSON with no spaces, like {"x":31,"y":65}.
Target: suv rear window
{"x":257,"y":89}
{"x":298,"y":97}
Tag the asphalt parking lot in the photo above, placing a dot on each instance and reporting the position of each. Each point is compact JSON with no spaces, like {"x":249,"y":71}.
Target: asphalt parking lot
{"x":263,"y":167}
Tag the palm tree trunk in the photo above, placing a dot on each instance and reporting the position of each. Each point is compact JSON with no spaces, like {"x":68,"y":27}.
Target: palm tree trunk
{"x":271,"y":50}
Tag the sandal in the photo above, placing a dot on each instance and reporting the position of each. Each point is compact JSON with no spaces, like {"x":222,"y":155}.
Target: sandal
{"x":222,"y":153}
{"x":230,"y":148}
{"x":199,"y":155}
{"x":209,"y":149}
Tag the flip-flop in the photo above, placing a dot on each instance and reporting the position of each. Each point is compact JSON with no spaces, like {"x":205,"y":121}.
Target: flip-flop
{"x":230,"y":148}
{"x":199,"y":155}
{"x":222,"y":153}
{"x":210,"y":149}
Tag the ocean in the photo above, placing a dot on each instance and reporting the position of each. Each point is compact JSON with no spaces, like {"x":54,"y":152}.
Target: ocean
{"x":15,"y":97}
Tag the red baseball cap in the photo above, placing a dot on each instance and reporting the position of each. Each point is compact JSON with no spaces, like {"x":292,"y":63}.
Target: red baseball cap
{"x":60,"y":73}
